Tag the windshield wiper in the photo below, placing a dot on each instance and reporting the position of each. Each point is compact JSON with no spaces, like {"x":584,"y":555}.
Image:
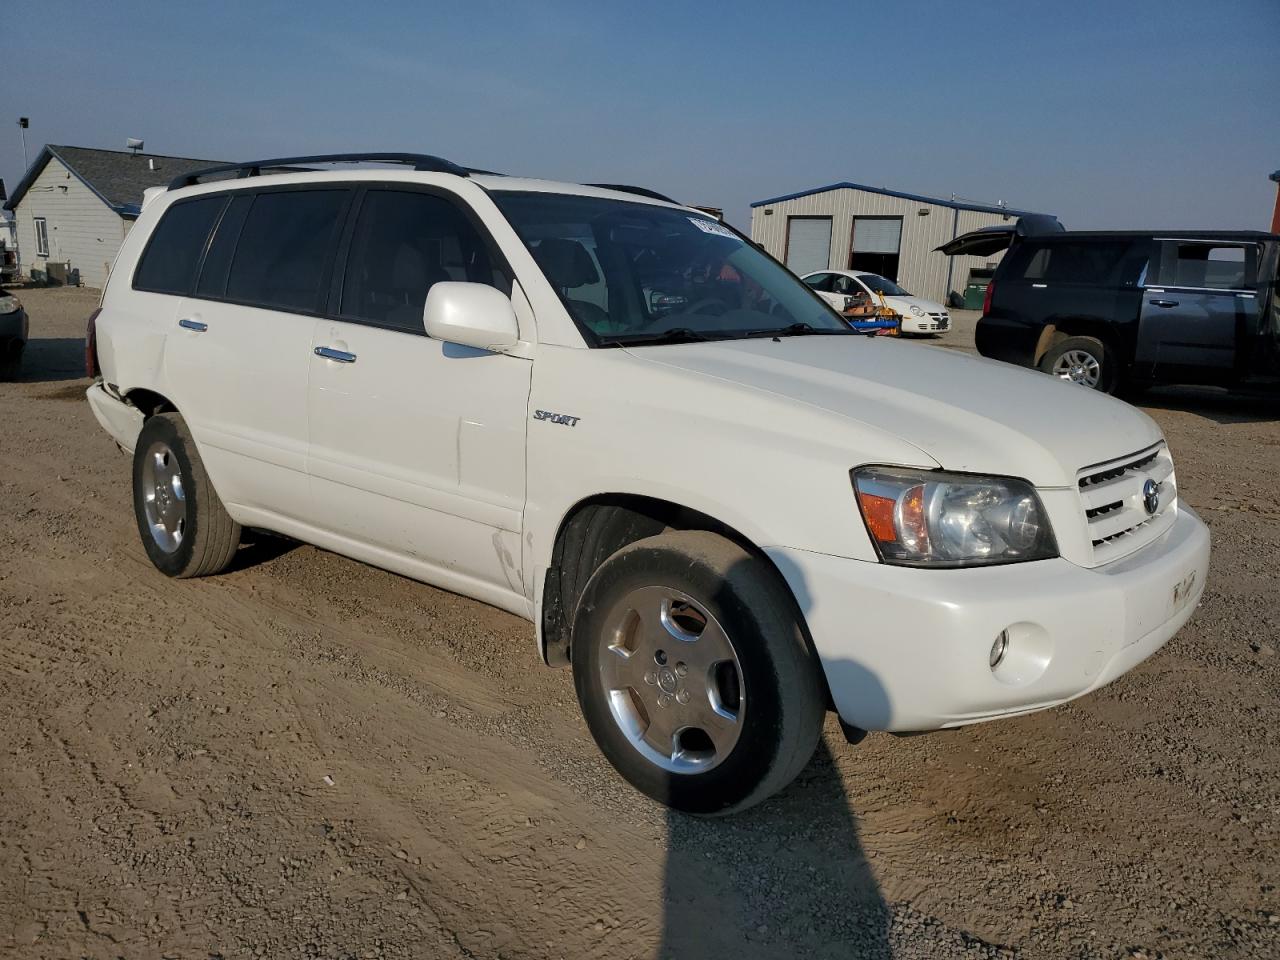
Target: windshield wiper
{"x":674,"y":335}
{"x":795,"y":330}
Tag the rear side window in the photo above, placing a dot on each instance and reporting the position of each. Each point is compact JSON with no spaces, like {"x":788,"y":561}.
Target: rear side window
{"x":1213,"y":266}
{"x":173,"y":253}
{"x":404,"y":243}
{"x":820,"y":282}
{"x":284,"y":247}
{"x":1089,"y":263}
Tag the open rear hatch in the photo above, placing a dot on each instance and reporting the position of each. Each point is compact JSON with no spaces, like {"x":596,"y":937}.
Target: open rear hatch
{"x":989,"y":240}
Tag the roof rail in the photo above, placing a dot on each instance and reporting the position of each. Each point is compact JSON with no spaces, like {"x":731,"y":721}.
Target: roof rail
{"x":638,"y":191}
{"x":419,"y":161}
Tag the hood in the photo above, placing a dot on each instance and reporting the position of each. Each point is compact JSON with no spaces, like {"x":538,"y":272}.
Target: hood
{"x":966,"y":413}
{"x":904,"y":304}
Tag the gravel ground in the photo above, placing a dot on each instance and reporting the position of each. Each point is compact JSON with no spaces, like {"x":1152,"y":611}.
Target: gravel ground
{"x":306,"y":757}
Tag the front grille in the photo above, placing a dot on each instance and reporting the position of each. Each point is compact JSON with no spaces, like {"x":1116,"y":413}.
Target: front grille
{"x":1114,"y":503}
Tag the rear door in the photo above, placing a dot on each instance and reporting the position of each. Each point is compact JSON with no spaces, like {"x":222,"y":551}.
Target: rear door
{"x":417,"y":446}
{"x":1198,"y":302}
{"x":239,"y":354}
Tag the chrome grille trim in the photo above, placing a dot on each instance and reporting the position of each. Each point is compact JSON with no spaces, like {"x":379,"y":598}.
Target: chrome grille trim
{"x":1111,"y":499}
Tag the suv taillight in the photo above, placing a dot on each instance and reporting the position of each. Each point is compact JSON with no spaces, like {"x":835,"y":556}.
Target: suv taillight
{"x":91,"y":368}
{"x":986,"y":299}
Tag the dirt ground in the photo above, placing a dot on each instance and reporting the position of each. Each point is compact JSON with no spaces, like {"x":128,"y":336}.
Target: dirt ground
{"x":307,"y":757}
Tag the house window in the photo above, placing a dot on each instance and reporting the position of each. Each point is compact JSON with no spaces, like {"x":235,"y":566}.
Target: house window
{"x":42,"y":237}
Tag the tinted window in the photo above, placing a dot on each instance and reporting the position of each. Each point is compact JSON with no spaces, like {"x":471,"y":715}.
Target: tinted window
{"x":404,"y":242}
{"x":820,"y":281}
{"x":1215,"y":267}
{"x":284,"y":247}
{"x":1096,"y":263}
{"x":173,"y":252}
{"x":213,"y":275}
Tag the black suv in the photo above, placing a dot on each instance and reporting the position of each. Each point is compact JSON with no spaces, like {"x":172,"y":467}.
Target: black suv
{"x":1129,"y":309}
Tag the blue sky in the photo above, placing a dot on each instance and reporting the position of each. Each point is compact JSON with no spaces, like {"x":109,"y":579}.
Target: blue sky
{"x":1116,"y":114}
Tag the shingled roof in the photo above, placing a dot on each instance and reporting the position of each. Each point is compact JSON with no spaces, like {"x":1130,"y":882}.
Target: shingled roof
{"x":118,"y":177}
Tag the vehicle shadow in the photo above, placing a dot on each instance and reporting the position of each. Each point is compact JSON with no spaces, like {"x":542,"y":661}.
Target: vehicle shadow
{"x":259,"y":547}
{"x":52,"y":359}
{"x":788,"y":877}
{"x":1212,"y":403}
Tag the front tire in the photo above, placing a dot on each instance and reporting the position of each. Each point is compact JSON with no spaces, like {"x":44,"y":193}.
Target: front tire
{"x":1086,"y":361}
{"x":695,"y":674}
{"x":185,"y":529}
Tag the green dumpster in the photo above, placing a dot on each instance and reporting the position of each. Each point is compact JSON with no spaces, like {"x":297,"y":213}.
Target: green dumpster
{"x":976,"y":289}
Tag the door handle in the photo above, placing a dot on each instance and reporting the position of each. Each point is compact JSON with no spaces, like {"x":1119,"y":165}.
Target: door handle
{"x":195,"y":325}
{"x":331,"y":354}
{"x":1164,"y":303}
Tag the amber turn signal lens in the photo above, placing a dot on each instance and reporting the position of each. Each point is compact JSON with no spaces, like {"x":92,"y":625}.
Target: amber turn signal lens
{"x":878,"y":512}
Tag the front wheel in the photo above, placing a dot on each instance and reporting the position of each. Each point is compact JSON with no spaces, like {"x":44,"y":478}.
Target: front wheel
{"x":1086,"y":361}
{"x":695,"y":674}
{"x":185,"y":529}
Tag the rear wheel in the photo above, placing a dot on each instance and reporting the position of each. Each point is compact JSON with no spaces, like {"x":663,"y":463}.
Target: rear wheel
{"x":1086,"y":361}
{"x":695,"y":674}
{"x":185,"y":529}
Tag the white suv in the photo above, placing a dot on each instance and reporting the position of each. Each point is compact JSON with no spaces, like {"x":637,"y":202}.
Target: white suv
{"x":614,"y":416}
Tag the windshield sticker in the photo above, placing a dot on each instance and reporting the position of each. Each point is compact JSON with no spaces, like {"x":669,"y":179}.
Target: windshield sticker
{"x":713,"y":228}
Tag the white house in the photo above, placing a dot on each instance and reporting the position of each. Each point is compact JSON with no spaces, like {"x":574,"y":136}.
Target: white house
{"x":74,"y":206}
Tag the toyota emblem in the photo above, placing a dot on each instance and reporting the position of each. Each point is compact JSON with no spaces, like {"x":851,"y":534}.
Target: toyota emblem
{"x":1151,"y":496}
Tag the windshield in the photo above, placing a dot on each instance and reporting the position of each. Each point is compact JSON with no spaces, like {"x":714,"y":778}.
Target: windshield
{"x":882,"y":285}
{"x":634,"y":272}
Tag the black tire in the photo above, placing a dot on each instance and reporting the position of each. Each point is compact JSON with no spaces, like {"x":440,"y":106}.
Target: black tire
{"x":10,"y":363}
{"x":1108,"y":369}
{"x":208,"y":536}
{"x":783,"y":695}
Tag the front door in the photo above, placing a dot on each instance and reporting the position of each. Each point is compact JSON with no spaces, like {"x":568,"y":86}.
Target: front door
{"x":1196,"y":308}
{"x":417,"y":446}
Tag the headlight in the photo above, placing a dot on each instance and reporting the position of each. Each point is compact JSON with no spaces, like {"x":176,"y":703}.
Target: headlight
{"x":931,"y":518}
{"x":917,"y":311}
{"x":9,"y":304}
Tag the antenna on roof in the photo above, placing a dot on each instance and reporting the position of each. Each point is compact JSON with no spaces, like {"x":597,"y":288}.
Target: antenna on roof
{"x":134,"y":144}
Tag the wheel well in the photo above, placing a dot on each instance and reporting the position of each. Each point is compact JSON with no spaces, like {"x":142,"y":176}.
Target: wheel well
{"x":599,"y":527}
{"x":149,"y":402}
{"x":1055,"y":333}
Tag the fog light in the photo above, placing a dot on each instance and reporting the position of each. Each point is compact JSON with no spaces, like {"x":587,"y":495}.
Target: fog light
{"x":998,"y":649}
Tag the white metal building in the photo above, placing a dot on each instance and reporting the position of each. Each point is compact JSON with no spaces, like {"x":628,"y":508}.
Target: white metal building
{"x":852,"y":226}
{"x":74,"y":206}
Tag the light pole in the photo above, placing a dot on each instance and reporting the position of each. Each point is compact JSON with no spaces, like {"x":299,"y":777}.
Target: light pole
{"x":23,"y":123}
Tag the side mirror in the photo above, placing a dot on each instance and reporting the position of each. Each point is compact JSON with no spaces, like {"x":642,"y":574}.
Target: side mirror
{"x":471,"y":314}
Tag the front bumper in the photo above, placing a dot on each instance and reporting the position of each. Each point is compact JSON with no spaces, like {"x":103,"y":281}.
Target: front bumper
{"x":908,"y":648}
{"x":13,"y":328}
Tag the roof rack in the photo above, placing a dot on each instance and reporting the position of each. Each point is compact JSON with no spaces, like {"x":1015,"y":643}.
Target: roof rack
{"x":419,"y":161}
{"x":638,"y":191}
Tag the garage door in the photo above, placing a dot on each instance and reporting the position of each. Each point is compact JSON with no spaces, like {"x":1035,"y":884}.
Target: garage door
{"x":875,"y":245}
{"x":808,"y":244}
